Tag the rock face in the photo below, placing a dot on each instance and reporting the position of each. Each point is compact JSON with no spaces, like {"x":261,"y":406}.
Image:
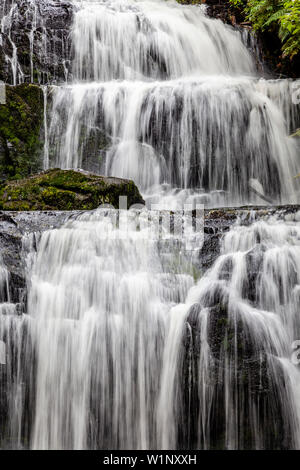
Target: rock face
{"x":21,"y":125}
{"x":35,"y":40}
{"x":66,"y":190}
{"x":222,"y":10}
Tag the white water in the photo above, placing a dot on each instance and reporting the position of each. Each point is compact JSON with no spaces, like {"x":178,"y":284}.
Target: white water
{"x":194,"y":133}
{"x":256,"y":283}
{"x":12,"y":59}
{"x":131,"y":40}
{"x":122,"y":350}
{"x":125,"y":345}
{"x":170,"y":98}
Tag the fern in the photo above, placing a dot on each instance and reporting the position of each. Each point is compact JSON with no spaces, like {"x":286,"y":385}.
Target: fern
{"x":275,"y":17}
{"x":279,"y":16}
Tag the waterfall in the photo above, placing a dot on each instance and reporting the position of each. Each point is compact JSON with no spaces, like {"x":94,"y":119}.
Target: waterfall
{"x":97,"y":322}
{"x":46,"y":140}
{"x":130,"y":40}
{"x":170,"y":98}
{"x":124,"y":347}
{"x":246,"y":312}
{"x":6,"y":28}
{"x":145,"y":132}
{"x":129,"y":340}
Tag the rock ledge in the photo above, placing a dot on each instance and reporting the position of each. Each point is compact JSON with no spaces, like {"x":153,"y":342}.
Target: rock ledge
{"x":66,"y":190}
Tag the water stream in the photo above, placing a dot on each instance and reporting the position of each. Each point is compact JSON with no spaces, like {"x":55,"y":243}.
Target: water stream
{"x":128,"y":341}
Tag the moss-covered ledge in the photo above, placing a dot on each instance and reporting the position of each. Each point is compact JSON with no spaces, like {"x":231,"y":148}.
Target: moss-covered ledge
{"x":66,"y":190}
{"x":21,"y":123}
{"x":296,"y":133}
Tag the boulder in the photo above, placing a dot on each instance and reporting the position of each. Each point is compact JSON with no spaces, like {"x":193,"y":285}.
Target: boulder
{"x":66,"y":190}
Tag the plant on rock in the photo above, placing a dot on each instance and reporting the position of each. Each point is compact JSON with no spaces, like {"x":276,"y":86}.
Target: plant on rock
{"x":279,"y":16}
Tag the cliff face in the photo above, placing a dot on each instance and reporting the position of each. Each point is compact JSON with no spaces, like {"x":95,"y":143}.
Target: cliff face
{"x":34,"y":42}
{"x":34,"y":49}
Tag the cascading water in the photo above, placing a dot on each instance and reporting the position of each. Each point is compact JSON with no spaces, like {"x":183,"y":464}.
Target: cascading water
{"x":127,"y":342}
{"x":7,"y":14}
{"x":245,"y":311}
{"x":122,"y":349}
{"x":170,"y":98}
{"x":150,"y":128}
{"x":131,"y":40}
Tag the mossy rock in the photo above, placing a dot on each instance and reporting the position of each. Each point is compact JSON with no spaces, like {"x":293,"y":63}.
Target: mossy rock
{"x":296,"y":134}
{"x":21,"y":122}
{"x":66,"y":190}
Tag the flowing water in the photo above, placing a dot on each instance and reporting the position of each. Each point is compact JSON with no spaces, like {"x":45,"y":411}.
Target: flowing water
{"x":124,"y":349}
{"x":8,"y":11}
{"x":128,"y":341}
{"x":148,"y":76}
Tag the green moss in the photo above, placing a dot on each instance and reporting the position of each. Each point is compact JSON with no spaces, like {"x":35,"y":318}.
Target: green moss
{"x":66,"y":190}
{"x":296,"y":134}
{"x":21,"y":119}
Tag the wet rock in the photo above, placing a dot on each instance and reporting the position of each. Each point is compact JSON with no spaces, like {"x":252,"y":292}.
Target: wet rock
{"x":66,"y":190}
{"x":254,"y":262}
{"x":11,"y":257}
{"x":239,"y":375}
{"x":229,"y":336}
{"x":223,"y":10}
{"x":94,"y":147}
{"x":40,"y":33}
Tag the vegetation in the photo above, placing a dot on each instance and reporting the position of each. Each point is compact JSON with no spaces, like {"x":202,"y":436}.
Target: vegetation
{"x":281,"y":17}
{"x":21,"y":122}
{"x":66,"y":190}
